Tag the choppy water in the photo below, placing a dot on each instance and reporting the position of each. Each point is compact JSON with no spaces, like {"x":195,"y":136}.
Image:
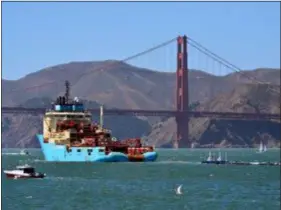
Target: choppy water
{"x":114,"y":186}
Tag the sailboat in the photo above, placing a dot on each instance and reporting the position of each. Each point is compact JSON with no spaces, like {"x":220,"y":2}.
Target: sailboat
{"x":210,"y":157}
{"x":192,"y":145}
{"x":210,"y":160}
{"x":220,"y":160}
{"x":219,"y":157}
{"x":262,"y":148}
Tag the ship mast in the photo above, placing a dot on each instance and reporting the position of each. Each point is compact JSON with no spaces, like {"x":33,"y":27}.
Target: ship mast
{"x":101,"y":116}
{"x":67,"y":90}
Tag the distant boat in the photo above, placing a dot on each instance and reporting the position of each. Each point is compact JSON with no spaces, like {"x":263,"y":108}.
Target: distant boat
{"x":211,"y":160}
{"x":210,"y":157}
{"x":219,"y":158}
{"x":193,"y":145}
{"x":24,"y":152}
{"x":262,"y":148}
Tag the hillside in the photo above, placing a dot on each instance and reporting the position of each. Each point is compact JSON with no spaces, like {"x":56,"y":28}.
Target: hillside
{"x":20,"y":130}
{"x":121,"y":86}
{"x":245,"y":98}
{"x":117,"y":84}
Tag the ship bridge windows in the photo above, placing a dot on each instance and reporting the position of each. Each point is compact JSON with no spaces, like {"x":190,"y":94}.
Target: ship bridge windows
{"x":78,"y":150}
{"x":77,"y":116}
{"x":74,"y":116}
{"x":29,"y":170}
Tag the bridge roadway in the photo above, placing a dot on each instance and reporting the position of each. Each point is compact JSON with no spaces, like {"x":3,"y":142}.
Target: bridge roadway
{"x":168,"y":113}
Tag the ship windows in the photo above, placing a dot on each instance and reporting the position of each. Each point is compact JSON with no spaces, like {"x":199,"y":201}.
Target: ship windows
{"x":28,"y":170}
{"x":90,"y":151}
{"x":78,"y":150}
{"x":101,"y":150}
{"x":68,"y":116}
{"x":74,"y":116}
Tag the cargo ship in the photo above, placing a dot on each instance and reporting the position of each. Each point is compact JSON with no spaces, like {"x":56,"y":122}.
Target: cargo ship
{"x":70,"y":136}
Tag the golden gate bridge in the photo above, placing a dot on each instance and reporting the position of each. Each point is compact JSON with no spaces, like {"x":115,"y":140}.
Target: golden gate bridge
{"x":182,"y":113}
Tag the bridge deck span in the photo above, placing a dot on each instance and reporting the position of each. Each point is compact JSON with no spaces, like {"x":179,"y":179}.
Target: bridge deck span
{"x":168,"y":113}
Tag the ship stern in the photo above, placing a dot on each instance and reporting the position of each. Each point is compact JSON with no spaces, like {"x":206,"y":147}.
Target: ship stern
{"x":150,"y":156}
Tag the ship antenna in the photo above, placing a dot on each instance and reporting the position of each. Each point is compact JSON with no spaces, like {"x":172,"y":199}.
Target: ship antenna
{"x":67,"y":90}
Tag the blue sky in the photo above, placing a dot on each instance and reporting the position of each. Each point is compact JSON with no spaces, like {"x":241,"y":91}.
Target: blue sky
{"x":37,"y":35}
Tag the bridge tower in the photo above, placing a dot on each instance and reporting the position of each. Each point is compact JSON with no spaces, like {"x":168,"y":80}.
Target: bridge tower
{"x":182,"y":102}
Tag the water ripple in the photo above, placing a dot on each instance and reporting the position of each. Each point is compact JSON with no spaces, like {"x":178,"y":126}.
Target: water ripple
{"x":147,"y":186}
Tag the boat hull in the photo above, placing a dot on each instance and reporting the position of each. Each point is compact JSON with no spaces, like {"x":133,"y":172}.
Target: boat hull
{"x":59,"y":153}
{"x":23,"y":176}
{"x":218,"y":162}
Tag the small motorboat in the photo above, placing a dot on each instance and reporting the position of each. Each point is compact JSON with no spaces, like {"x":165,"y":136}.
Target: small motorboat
{"x":24,"y":171}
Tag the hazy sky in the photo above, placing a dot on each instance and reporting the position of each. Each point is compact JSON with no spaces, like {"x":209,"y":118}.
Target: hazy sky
{"x":36,"y":35}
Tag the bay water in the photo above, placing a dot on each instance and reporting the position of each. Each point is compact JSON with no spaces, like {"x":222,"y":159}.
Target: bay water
{"x":145,"y":186}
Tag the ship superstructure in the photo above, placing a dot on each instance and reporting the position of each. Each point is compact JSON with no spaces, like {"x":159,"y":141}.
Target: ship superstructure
{"x":70,"y":135}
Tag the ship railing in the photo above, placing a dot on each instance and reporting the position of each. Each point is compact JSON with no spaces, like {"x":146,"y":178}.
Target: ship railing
{"x":87,"y":112}
{"x":49,"y":110}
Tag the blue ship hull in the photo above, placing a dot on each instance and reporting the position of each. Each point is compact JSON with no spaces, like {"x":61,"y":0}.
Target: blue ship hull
{"x":59,"y":153}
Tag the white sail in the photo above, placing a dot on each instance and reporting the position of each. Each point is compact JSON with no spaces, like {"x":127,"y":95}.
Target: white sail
{"x":192,"y":145}
{"x":261,"y":147}
{"x":219,"y":158}
{"x":210,"y":157}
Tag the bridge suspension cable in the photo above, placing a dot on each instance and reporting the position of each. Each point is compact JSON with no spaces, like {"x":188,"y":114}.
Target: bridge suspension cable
{"x":110,"y":65}
{"x":226,"y":63}
{"x":191,"y":42}
{"x":105,"y":66}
